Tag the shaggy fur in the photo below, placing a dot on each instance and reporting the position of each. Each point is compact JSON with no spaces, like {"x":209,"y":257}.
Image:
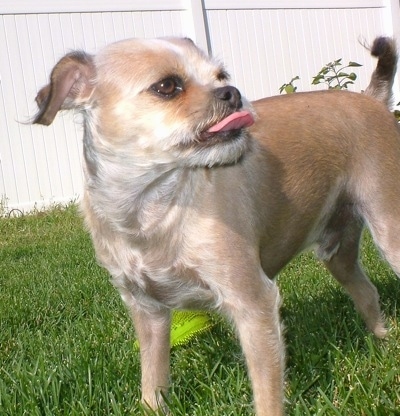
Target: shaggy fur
{"x":382,"y":78}
{"x":189,"y":209}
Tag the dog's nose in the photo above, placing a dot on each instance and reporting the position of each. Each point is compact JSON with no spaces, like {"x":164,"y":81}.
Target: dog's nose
{"x":230,"y":95}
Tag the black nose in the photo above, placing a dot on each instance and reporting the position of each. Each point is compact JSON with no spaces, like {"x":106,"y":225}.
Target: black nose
{"x":230,"y":95}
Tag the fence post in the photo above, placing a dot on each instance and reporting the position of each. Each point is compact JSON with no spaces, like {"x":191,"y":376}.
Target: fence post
{"x":197,"y":26}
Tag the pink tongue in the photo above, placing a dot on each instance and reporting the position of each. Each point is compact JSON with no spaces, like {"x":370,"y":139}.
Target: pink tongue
{"x":235,"y":121}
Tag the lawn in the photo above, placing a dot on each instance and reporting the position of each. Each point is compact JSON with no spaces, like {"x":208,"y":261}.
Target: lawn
{"x":66,"y":342}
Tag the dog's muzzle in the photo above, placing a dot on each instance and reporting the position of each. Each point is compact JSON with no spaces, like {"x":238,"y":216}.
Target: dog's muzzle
{"x":235,"y":118}
{"x":230,"y":96}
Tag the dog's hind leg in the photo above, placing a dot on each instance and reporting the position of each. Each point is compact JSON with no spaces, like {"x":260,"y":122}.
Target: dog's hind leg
{"x":343,"y":263}
{"x":385,"y":231}
{"x":379,"y":197}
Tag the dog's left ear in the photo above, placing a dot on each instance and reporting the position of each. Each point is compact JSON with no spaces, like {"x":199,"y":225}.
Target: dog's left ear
{"x":71,"y":84}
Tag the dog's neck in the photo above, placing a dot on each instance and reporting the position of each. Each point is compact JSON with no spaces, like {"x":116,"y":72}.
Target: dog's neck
{"x":139,"y":197}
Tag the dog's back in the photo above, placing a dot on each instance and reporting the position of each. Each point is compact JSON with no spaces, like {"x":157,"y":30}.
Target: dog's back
{"x":332,"y":164}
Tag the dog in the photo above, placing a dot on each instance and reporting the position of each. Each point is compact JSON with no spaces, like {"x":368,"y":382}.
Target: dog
{"x":196,"y":198}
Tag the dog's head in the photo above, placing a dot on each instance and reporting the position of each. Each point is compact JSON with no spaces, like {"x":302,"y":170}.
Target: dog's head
{"x":159,"y":98}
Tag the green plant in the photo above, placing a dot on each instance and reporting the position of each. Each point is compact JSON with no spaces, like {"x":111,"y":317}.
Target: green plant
{"x":3,"y":205}
{"x":332,"y":74}
{"x":335,"y":76}
{"x":397,"y":113}
{"x":289,"y":88}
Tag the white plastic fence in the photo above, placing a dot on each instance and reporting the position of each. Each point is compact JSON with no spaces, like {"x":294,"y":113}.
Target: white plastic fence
{"x":264,"y":43}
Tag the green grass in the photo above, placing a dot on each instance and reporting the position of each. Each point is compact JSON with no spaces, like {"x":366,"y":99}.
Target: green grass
{"x":66,"y":342}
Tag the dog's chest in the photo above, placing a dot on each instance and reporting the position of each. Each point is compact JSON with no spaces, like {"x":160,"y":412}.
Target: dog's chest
{"x":160,"y":271}
{"x":177,"y":287}
{"x":150,"y":243}
{"x":168,"y":283}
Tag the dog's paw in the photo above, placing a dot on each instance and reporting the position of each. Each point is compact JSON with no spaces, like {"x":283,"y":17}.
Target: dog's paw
{"x":380,"y":330}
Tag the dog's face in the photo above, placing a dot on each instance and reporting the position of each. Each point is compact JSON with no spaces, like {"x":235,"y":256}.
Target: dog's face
{"x":161,"y":99}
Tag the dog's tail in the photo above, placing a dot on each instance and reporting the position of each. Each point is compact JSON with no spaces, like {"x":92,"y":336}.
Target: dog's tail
{"x":381,"y":85}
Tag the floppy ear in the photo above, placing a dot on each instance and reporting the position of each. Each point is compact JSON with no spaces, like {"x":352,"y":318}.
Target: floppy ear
{"x":71,"y":83}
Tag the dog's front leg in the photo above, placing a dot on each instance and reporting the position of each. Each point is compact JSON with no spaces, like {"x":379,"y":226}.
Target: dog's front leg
{"x":255,"y":312}
{"x":153,"y":332}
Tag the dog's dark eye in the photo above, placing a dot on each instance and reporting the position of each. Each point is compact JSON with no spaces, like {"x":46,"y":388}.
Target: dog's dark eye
{"x":223,"y":75}
{"x":168,"y":87}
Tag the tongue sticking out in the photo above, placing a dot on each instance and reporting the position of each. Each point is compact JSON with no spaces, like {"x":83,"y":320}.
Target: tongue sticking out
{"x":235,"y":121}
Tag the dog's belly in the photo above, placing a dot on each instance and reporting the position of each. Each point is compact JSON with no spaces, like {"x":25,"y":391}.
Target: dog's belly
{"x":324,"y":236}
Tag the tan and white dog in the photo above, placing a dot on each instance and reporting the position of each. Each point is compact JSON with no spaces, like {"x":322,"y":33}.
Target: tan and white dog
{"x":192,"y":204}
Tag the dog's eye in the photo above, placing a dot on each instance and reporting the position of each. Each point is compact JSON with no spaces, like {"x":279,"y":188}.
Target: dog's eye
{"x":168,"y":87}
{"x":223,"y":75}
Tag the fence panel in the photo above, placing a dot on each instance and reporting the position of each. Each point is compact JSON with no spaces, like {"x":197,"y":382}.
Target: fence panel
{"x":266,"y":47}
{"x":264,"y":43}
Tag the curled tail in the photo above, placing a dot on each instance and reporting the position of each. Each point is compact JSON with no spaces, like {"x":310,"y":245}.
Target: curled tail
{"x":381,"y":84}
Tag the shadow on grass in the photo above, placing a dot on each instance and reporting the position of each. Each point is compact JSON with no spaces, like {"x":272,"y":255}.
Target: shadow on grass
{"x":330,"y":354}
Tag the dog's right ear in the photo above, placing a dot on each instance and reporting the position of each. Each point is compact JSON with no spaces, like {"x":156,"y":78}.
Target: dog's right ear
{"x":71,"y":84}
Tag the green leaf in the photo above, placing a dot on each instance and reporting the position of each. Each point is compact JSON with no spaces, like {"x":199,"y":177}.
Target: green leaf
{"x":290,"y":89}
{"x":353,"y":76}
{"x":344,"y":86}
{"x":318,"y":79}
{"x":351,"y":63}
